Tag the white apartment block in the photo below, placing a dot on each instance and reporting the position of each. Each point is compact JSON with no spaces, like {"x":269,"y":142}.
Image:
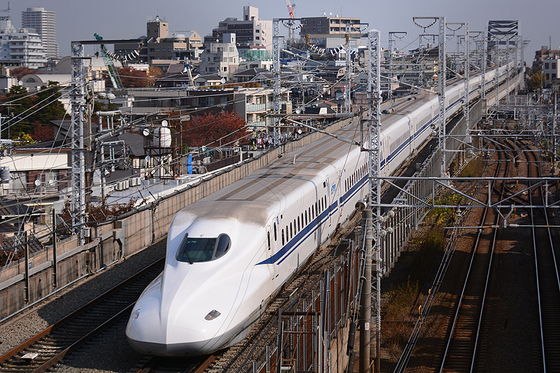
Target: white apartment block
{"x":551,"y":70}
{"x":220,"y":58}
{"x":20,"y":47}
{"x":43,"y":22}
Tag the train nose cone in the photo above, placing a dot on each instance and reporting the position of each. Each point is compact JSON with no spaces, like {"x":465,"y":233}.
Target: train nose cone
{"x":184,"y":336}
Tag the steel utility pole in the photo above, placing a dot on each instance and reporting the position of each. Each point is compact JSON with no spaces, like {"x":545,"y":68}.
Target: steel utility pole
{"x":441,"y":74}
{"x":374,"y":148}
{"x":399,"y":35}
{"x":442,"y":79}
{"x":78,"y":102}
{"x":276,"y":87}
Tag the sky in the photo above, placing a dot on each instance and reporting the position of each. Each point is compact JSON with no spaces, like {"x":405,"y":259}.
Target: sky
{"x":126,"y":19}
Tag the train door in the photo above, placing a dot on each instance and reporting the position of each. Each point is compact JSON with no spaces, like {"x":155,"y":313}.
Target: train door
{"x":384,"y":154}
{"x":330,"y":200}
{"x":271,"y":242}
{"x":411,"y":132}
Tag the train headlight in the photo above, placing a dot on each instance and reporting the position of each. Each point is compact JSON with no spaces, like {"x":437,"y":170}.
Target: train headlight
{"x":212,"y":315}
{"x":136,"y":314}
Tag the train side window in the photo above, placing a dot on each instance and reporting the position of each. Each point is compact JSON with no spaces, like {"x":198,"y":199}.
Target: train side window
{"x":275,"y":234}
{"x":268,"y":239}
{"x":222,"y":246}
{"x":291,"y":231}
{"x":306,"y":217}
{"x":316,"y":213}
{"x":283,"y":241}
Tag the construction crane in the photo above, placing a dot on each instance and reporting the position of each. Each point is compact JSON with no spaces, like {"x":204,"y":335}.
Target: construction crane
{"x":290,"y":9}
{"x":111,"y":69}
{"x":291,"y":23}
{"x":187,"y":69}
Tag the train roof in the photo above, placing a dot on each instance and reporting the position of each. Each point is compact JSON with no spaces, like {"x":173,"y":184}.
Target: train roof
{"x":250,"y":198}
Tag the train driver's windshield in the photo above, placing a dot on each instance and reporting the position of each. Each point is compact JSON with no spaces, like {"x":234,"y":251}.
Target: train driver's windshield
{"x":198,"y":249}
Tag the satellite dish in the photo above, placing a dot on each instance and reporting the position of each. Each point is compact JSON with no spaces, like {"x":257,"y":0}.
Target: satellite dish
{"x":51,"y":182}
{"x":147,"y":158}
{"x":164,"y":123}
{"x":37,"y":182}
{"x":111,"y":96}
{"x":146,"y":132}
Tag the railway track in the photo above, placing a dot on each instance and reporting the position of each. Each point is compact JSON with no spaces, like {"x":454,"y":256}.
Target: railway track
{"x":545,"y":243}
{"x":46,"y":349}
{"x":463,"y":338}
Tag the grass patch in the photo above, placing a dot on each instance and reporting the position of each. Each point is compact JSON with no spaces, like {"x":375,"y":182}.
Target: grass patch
{"x":444,"y":216}
{"x":401,"y":312}
{"x":474,"y":168}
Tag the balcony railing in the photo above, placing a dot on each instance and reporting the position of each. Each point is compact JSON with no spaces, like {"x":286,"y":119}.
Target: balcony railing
{"x":256,"y":107}
{"x":255,"y":126}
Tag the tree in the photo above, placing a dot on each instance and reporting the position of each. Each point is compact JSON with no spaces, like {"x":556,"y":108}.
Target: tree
{"x":25,"y":111}
{"x":20,"y":72}
{"x":132,"y":78}
{"x":534,"y":81}
{"x":207,"y":129}
{"x":49,"y":106}
{"x":153,"y":74}
{"x":43,"y":132}
{"x":15,"y":107}
{"x":98,"y":212}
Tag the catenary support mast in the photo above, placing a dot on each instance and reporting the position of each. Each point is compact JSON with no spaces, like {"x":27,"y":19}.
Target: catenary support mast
{"x":78,"y":107}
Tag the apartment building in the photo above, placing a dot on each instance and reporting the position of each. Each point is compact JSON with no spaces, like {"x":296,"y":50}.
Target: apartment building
{"x":19,"y":47}
{"x":43,"y":22}
{"x":221,"y":58}
{"x":250,"y":31}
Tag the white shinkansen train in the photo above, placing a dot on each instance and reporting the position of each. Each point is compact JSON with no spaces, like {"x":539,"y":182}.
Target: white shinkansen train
{"x":230,"y":253}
